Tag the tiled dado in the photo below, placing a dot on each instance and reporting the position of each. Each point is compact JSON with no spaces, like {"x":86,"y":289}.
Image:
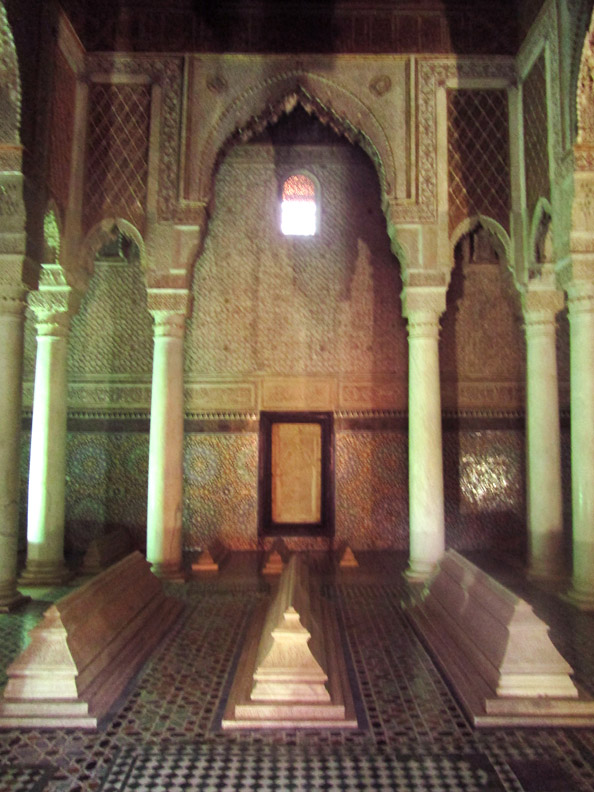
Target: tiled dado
{"x":107,"y":467}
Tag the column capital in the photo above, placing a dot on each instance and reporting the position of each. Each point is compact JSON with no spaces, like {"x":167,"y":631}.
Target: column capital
{"x":169,"y":308}
{"x":55,"y":301}
{"x":540,"y":304}
{"x":580,"y":297}
{"x":424,"y":300}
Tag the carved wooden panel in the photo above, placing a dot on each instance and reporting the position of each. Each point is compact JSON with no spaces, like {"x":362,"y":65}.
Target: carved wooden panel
{"x":478,"y":161}
{"x":117,"y":153}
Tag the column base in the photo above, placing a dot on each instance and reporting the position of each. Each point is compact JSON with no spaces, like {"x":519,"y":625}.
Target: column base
{"x":10,"y":598}
{"x":171,"y":572}
{"x":38,"y":573}
{"x":582,"y":599}
{"x":419,"y":571}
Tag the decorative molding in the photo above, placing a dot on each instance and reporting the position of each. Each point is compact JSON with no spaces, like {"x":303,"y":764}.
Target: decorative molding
{"x":263,"y":101}
{"x":432,"y":74}
{"x":222,"y":397}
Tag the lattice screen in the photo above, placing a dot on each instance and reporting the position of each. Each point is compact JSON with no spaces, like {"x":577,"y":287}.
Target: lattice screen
{"x":478,"y":161}
{"x":536,"y":138}
{"x":61,"y":130}
{"x":117,"y":153}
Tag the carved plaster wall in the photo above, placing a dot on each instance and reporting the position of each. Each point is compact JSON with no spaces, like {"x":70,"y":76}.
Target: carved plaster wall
{"x":268,"y":309}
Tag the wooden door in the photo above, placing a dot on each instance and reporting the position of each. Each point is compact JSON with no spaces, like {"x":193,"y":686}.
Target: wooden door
{"x":296,"y":489}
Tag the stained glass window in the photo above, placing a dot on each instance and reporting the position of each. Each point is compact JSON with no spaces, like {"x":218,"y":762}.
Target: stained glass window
{"x":299,"y":207}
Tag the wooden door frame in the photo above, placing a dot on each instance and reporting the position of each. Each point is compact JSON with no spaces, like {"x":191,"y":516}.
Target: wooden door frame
{"x":266,"y":527}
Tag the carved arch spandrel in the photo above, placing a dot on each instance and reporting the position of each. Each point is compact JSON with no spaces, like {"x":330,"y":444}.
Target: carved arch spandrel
{"x":264,"y":102}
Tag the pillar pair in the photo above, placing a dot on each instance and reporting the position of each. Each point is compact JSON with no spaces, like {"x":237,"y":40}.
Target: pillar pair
{"x":47,"y":473}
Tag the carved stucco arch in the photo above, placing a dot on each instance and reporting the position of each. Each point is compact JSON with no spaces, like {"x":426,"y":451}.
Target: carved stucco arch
{"x":10,"y":85}
{"x":585,"y":91}
{"x":101,"y":233}
{"x":469,"y":224}
{"x":264,"y":102}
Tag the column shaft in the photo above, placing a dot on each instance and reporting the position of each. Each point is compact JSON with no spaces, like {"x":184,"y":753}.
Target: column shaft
{"x":545,"y":511}
{"x":581,"y":317}
{"x":425,"y":462}
{"x":165,"y":477}
{"x":47,"y":468}
{"x":11,"y":356}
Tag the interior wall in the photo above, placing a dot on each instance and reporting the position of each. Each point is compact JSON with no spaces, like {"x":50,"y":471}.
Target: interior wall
{"x":267,"y":307}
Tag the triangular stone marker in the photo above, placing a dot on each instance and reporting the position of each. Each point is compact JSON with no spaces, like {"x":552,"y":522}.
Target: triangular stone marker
{"x":205,"y":563}
{"x":348,"y":560}
{"x":274,"y":564}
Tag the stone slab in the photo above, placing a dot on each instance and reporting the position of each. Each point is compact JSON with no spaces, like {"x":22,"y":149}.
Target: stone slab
{"x":87,"y":648}
{"x":267,"y":694}
{"x":495,"y":651}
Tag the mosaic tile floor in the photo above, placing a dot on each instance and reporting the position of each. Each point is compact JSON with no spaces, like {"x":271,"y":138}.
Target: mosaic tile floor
{"x":412,"y":737}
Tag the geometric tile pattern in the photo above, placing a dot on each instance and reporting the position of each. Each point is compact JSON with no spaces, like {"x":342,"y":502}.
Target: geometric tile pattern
{"x":117,"y":153}
{"x":536,"y":135}
{"x":24,"y":779}
{"x":288,"y":769}
{"x":412,"y":735}
{"x":478,"y":163}
{"x":372,"y":489}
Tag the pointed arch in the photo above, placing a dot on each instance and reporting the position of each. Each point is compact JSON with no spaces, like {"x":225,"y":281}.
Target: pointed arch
{"x":494,"y":228}
{"x":102,"y":233}
{"x":264,"y":102}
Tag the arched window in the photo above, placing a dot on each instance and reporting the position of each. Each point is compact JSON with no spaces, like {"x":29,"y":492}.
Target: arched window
{"x":299,"y":207}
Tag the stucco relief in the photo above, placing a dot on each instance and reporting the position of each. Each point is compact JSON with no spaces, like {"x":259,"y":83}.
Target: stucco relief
{"x":283,"y":306}
{"x":10,"y":85}
{"x":111,"y":335}
{"x":331,"y":86}
{"x":431,"y":75}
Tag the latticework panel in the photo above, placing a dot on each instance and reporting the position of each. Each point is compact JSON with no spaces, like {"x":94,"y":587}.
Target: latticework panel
{"x":536,"y":137}
{"x":61,"y":130}
{"x":478,"y":161}
{"x":117,"y":153}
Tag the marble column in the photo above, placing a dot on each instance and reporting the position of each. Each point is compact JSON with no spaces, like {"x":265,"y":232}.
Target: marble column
{"x":165,"y":476}
{"x":47,"y":467}
{"x":581,"y":320}
{"x":11,"y":355}
{"x":544,"y":496}
{"x":425,"y":462}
